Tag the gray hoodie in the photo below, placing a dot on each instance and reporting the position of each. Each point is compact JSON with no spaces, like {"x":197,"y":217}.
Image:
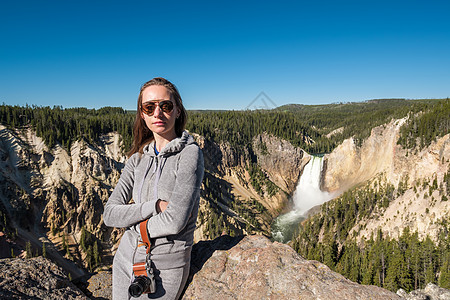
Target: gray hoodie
{"x":174,"y":175}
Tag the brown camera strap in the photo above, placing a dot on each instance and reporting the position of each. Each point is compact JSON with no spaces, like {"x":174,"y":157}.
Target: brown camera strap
{"x":144,"y":235}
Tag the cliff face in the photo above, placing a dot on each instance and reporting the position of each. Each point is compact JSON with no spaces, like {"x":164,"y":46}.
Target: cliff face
{"x":51,"y":195}
{"x":234,"y":187}
{"x":282,"y":161}
{"x":381,"y":160}
{"x":349,"y":165}
{"x":278,"y":159}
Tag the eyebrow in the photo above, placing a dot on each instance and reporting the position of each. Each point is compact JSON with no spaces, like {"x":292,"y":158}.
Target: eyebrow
{"x":155,"y":100}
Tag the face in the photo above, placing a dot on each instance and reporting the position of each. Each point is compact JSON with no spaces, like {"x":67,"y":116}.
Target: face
{"x":160,"y":122}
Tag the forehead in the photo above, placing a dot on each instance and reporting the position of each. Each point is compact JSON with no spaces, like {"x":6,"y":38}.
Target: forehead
{"x":155,"y":92}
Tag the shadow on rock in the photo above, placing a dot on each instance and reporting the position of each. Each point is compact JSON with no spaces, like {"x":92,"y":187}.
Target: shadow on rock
{"x":203,"y":250}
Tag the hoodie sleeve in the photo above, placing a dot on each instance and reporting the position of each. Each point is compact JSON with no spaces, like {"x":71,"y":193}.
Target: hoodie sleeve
{"x":118,"y":212}
{"x":184,"y":196}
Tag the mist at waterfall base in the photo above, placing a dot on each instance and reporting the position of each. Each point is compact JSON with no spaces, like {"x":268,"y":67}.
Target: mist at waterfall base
{"x":306,"y":196}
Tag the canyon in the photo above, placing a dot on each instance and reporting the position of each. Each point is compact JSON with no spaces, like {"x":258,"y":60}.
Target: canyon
{"x":53,"y":198}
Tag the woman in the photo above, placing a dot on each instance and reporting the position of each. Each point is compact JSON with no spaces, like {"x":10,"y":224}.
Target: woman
{"x":163,"y":176}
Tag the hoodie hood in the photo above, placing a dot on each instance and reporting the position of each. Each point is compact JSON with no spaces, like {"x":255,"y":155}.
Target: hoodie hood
{"x":174,"y":146}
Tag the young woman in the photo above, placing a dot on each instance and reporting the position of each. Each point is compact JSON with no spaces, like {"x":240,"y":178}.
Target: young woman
{"x":163,"y":176}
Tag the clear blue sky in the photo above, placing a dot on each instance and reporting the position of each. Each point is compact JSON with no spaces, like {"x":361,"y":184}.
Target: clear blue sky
{"x":222,"y":54}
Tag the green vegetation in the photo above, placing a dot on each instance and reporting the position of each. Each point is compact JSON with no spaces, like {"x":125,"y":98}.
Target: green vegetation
{"x":64,"y":126}
{"x":29,"y":253}
{"x":305,"y":126}
{"x":259,"y":180}
{"x":424,"y":126}
{"x":89,"y":244}
{"x":217,"y":193}
{"x":408,"y":262}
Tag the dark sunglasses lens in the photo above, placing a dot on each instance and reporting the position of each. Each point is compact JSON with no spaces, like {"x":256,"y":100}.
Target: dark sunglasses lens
{"x":166,"y":106}
{"x":149,"y":108}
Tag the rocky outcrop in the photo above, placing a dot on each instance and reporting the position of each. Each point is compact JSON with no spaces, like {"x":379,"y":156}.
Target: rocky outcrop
{"x":35,"y":278}
{"x":256,"y":268}
{"x":349,"y":165}
{"x":50,"y":194}
{"x":99,"y":286}
{"x":280,"y":159}
{"x":249,"y":267}
{"x":430,"y":292}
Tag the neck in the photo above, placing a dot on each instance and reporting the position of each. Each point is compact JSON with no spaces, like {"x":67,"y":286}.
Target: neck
{"x":162,"y":141}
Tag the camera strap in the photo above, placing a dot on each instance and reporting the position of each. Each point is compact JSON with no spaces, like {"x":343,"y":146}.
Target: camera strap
{"x":144,"y":235}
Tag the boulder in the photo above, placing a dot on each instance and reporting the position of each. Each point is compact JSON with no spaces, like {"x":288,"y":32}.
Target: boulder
{"x":252,"y":267}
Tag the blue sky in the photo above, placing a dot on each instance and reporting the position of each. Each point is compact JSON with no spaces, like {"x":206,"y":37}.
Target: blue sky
{"x":223,"y":54}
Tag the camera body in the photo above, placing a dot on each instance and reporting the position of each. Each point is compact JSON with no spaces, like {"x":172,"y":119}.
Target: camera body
{"x":144,"y":280}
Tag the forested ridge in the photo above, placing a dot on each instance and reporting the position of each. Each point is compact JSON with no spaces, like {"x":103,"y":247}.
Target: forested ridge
{"x":305,"y":126}
{"x":64,"y":126}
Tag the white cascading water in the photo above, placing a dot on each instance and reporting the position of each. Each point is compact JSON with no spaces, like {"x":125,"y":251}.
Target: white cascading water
{"x":306,"y":196}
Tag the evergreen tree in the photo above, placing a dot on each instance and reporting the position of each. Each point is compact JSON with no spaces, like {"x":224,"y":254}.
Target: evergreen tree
{"x":444,"y":276}
{"x":44,"y":250}
{"x":29,"y":254}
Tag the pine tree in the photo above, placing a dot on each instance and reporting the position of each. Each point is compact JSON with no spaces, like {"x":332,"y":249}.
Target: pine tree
{"x":83,"y":239}
{"x":44,"y":250}
{"x":96,"y":254}
{"x":444,"y":277}
{"x":29,"y":254}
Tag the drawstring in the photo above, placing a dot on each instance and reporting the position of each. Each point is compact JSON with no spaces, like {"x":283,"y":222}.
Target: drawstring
{"x":150,"y":162}
{"x":158,"y":170}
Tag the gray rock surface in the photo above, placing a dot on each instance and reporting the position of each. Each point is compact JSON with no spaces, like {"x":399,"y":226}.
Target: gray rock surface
{"x":256,"y":268}
{"x":100,"y":286}
{"x":430,"y":292}
{"x":35,"y":278}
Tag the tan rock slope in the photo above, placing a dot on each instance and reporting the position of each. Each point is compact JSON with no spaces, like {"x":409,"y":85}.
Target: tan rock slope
{"x":380,"y":159}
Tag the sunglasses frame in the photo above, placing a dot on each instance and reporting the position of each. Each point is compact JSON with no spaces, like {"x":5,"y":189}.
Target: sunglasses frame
{"x":147,"y":111}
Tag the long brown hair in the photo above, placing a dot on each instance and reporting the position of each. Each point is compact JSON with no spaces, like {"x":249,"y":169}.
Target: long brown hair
{"x":141,"y":134}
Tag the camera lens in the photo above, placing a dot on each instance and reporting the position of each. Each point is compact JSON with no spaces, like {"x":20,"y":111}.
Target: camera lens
{"x":139,"y":286}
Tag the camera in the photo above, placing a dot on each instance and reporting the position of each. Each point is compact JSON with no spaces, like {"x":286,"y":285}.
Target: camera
{"x":144,"y":280}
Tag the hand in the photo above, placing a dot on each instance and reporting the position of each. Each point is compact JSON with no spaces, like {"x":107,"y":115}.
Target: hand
{"x":161,"y":205}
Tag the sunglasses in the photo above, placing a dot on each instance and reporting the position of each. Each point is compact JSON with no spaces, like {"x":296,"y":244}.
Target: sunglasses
{"x":149,"y":107}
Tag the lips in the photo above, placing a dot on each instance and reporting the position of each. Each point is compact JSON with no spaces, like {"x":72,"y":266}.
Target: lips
{"x":158,"y":123}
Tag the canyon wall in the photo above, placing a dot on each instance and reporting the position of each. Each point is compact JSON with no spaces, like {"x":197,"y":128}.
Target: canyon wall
{"x":56,"y":196}
{"x":380,"y":159}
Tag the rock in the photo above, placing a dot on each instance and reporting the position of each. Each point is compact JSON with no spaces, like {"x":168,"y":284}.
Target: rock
{"x":280,"y":159}
{"x":100,"y":286}
{"x":35,"y":278}
{"x":430,"y":292}
{"x":256,"y":268}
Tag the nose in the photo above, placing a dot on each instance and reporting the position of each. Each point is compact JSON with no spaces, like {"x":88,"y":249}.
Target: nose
{"x":157,"y":111}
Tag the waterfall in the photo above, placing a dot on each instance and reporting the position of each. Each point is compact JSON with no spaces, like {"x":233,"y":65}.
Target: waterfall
{"x":307,"y":195}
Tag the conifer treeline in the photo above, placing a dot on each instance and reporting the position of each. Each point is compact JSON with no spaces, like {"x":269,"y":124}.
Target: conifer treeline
{"x":424,"y":126}
{"x":64,"y":126}
{"x":304,"y":126}
{"x":307,"y":126}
